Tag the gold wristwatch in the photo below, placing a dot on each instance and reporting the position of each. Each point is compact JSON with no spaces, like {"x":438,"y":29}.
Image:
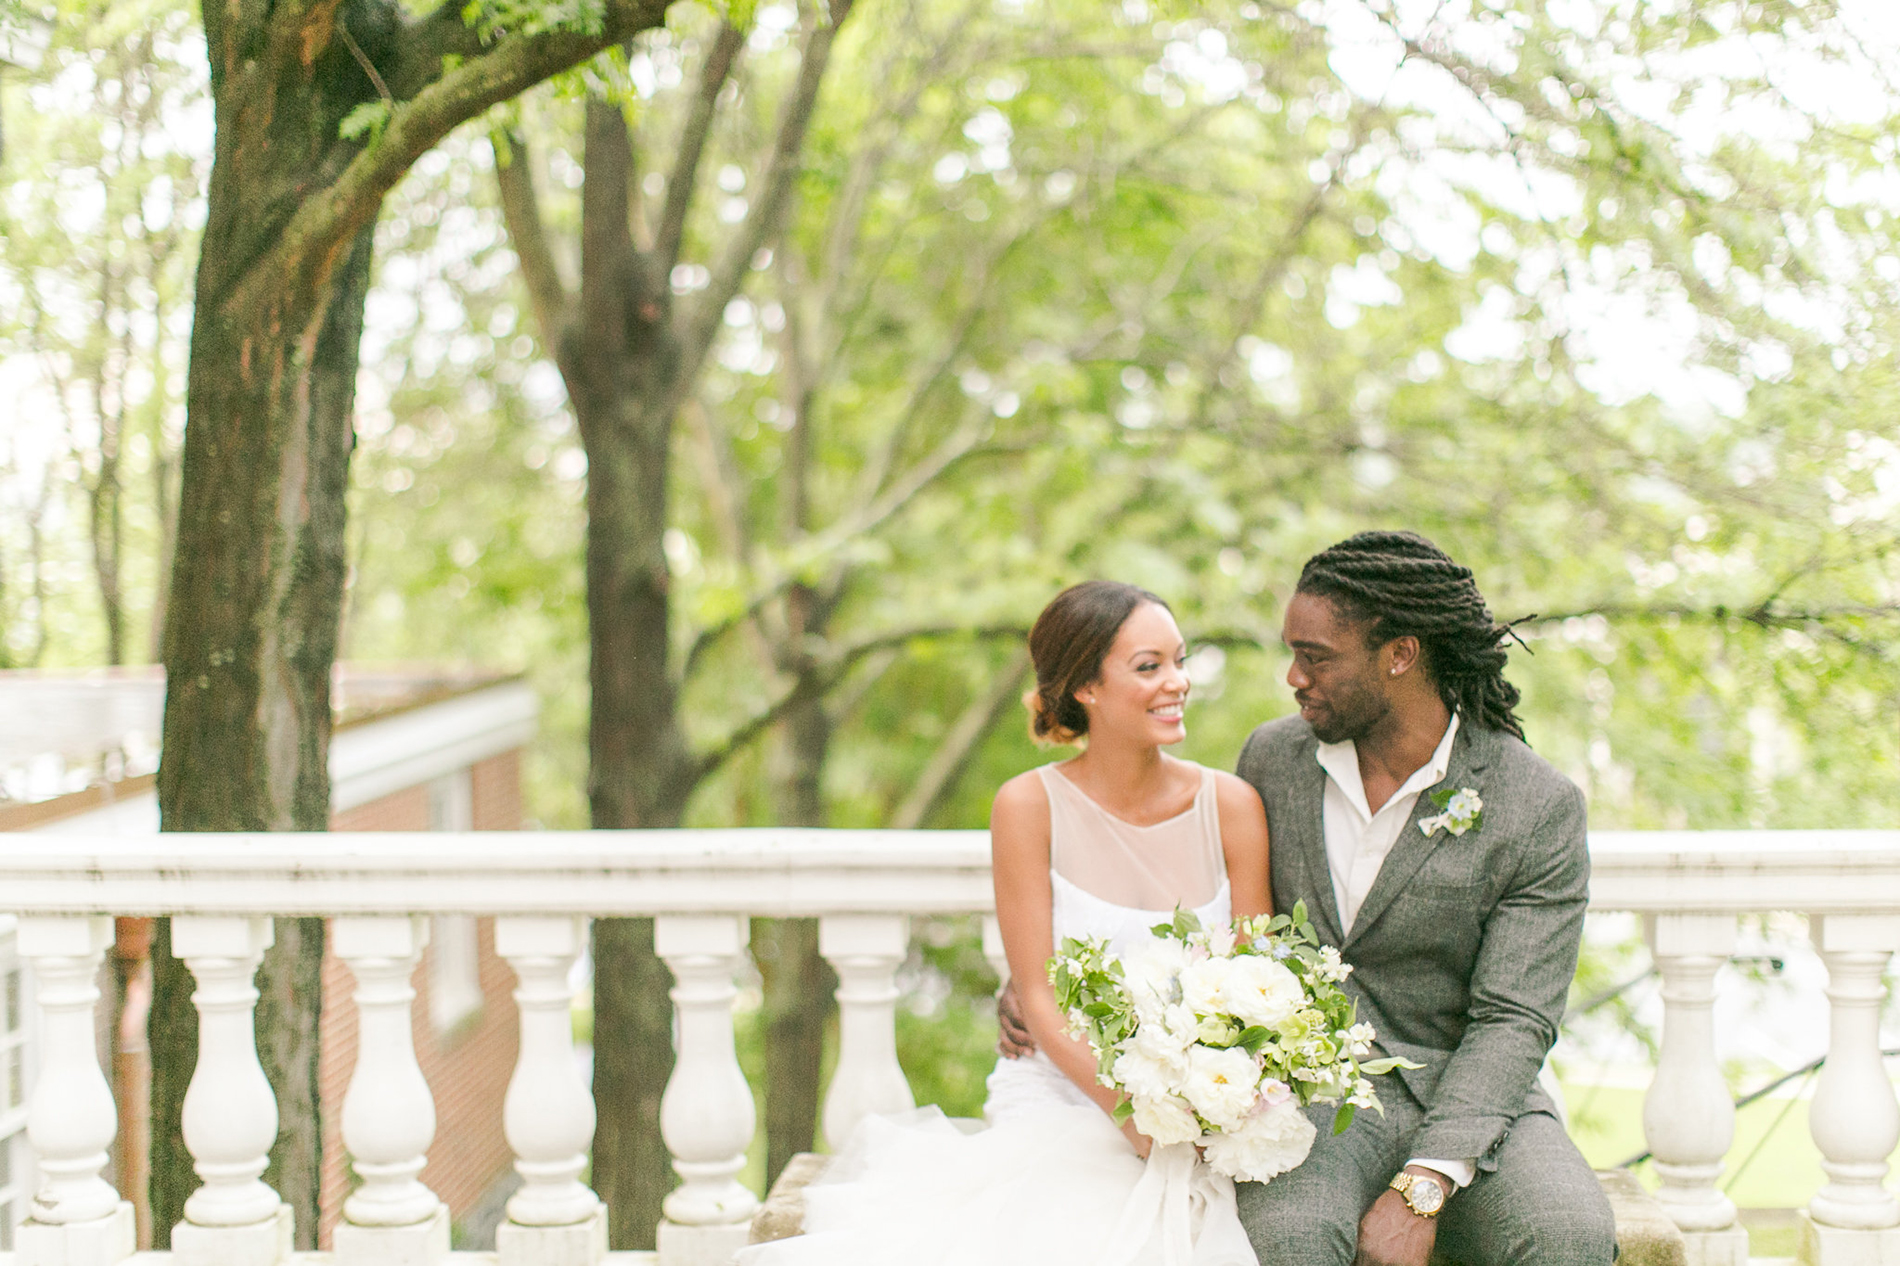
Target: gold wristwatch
{"x":1424,"y":1196}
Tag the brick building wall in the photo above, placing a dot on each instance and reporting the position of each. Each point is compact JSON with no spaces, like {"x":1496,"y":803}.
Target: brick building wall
{"x":467,"y":1065}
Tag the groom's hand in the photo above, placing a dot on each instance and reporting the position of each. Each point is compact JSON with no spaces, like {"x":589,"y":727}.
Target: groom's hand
{"x":1012,"y":1035}
{"x":1392,"y":1235}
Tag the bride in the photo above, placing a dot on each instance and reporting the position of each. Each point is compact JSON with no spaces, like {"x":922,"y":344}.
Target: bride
{"x":1105,"y":844}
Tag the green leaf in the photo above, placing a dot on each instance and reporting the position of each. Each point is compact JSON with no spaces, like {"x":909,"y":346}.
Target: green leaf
{"x":1343,"y":1118}
{"x":371,"y":117}
{"x":1253,"y":1037}
{"x":1378,"y":1067}
{"x":1123,"y":1109}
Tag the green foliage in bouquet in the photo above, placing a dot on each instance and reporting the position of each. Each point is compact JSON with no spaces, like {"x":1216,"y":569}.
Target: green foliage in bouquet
{"x":1195,"y":989}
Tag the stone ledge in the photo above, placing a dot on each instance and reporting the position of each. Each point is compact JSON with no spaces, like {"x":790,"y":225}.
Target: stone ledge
{"x":783,"y":1213}
{"x":1644,"y":1234}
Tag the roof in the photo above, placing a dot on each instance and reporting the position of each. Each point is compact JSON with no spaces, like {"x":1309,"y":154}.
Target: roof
{"x":87,"y":743}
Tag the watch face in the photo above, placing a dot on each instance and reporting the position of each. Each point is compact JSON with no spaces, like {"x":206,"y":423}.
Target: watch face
{"x":1426,"y":1196}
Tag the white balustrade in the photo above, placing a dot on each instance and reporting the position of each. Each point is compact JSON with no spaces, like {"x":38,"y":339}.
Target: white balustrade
{"x":1854,"y":1117}
{"x":548,"y":1115}
{"x":866,"y":951}
{"x":701,"y":886}
{"x":388,"y":1112}
{"x":1688,"y":1117}
{"x":229,"y":1113}
{"x":706,"y":1114}
{"x":77,"y":1219}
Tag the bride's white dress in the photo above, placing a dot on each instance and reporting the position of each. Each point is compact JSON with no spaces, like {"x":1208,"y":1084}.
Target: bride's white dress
{"x":1048,"y":1180}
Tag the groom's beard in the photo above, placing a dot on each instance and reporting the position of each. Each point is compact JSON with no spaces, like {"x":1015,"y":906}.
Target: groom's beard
{"x":1349,"y":716}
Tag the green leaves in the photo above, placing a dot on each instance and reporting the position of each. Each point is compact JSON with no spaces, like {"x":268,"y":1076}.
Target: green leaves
{"x":370,"y":117}
{"x":1184,"y":924}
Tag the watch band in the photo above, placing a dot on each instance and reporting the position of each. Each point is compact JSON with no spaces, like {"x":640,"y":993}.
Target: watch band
{"x":1403,"y":1183}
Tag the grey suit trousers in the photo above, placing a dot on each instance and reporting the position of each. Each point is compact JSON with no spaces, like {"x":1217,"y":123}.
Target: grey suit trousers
{"x":1541,"y":1206}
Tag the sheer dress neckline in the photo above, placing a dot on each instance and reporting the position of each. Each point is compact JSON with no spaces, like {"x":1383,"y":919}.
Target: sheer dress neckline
{"x":1151,"y":869}
{"x":1076,"y":787}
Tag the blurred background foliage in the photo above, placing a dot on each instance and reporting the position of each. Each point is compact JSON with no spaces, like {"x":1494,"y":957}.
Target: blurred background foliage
{"x":1599,"y":295}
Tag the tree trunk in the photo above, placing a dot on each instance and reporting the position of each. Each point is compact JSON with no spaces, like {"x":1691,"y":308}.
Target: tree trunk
{"x":798,"y":985}
{"x":256,"y":594}
{"x":619,"y":365}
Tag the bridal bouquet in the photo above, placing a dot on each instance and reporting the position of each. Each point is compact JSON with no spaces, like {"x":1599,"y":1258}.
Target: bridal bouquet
{"x":1219,"y":1036}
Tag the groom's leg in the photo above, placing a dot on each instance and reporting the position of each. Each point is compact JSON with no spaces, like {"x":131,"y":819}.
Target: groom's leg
{"x":1542,"y":1206}
{"x":1309,"y":1216}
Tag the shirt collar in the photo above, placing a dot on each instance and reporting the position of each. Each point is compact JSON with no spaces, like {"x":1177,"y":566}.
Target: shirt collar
{"x":1341,"y":763}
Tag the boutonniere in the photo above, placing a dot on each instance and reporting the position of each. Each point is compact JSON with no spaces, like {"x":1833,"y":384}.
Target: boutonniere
{"x":1463,"y":811}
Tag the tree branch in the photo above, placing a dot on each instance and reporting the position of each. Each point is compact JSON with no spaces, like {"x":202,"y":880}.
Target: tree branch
{"x":318,"y":234}
{"x":702,"y":319}
{"x":521,"y":212}
{"x":692,"y":144}
{"x":946,"y":765}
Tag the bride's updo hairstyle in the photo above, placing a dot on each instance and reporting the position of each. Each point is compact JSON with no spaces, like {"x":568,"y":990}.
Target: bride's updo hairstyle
{"x":1068,"y":643}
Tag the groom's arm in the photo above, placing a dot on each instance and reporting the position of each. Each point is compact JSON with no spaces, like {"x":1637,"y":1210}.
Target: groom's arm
{"x":1518,"y":988}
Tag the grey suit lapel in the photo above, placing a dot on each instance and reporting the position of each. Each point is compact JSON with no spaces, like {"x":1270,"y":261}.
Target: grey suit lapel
{"x":1307,"y":843}
{"x":1471,"y":753}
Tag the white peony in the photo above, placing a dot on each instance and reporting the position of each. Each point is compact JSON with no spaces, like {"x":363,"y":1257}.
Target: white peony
{"x":1267,"y":1144}
{"x":1150,"y":1069}
{"x":1181,"y":1022}
{"x":1221,"y":1084}
{"x":1166,"y":1120}
{"x":1204,"y":985}
{"x":1149,"y":973}
{"x":1261,"y":991}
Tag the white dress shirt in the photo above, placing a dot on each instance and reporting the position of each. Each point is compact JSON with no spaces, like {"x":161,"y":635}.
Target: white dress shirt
{"x":1357,"y":842}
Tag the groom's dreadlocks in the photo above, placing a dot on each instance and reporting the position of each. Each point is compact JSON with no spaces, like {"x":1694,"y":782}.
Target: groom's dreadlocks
{"x":1403,"y":585}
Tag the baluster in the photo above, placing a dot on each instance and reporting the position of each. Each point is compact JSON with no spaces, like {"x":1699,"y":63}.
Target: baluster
{"x":1688,"y":1116}
{"x":554,"y":1220}
{"x":706,"y":1114}
{"x":1854,"y":1117}
{"x":388,"y":1113}
{"x":866,"y":951}
{"x":76,"y":1218}
{"x":230,"y":1112}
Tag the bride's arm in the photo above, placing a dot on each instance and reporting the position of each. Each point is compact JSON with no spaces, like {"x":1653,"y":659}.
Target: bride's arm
{"x":1019,"y":865}
{"x":1243,"y":838}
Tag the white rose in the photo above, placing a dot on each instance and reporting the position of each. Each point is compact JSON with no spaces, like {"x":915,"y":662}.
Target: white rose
{"x":1267,"y":1144}
{"x":1166,"y":1120}
{"x":1221,"y":1084}
{"x":1204,"y":986}
{"x":1150,"y":1070}
{"x":1149,"y":973}
{"x":1181,"y":1022}
{"x":1261,"y":991}
{"x":1159,"y":1041}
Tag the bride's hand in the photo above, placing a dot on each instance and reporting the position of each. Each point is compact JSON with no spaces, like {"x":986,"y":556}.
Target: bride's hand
{"x":1139,"y":1141}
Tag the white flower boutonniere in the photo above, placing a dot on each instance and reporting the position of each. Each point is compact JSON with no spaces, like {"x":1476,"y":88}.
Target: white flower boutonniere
{"x":1463,"y":811}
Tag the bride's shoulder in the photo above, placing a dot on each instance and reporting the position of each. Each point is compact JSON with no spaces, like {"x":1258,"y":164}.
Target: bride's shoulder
{"x":1024,"y":793}
{"x":1019,"y":817}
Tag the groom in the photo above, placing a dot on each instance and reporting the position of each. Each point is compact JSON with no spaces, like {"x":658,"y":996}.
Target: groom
{"x":1463,"y":936}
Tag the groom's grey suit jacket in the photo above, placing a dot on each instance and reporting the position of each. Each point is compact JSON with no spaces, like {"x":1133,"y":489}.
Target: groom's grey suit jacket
{"x":1464,"y":949}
